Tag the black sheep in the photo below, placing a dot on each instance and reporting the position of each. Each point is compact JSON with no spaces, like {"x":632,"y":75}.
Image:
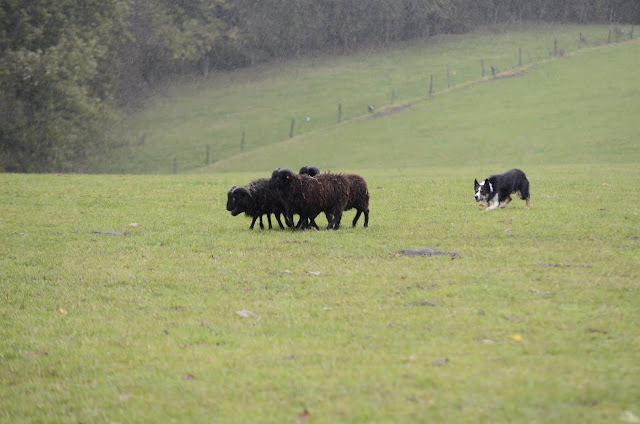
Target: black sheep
{"x":358,"y":197}
{"x":358,"y":194}
{"x":308,"y":196}
{"x":311,"y":171}
{"x":255,"y":200}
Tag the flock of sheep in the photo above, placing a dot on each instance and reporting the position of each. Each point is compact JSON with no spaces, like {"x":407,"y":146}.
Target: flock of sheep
{"x":305,"y":194}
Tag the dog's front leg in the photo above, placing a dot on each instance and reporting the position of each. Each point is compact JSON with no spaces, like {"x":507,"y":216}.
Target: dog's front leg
{"x":494,"y":205}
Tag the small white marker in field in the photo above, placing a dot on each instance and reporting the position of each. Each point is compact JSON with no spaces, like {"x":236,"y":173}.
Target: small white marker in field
{"x":246,"y":314}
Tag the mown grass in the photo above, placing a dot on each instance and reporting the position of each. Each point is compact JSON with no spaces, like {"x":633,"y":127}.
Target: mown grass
{"x":262,"y":101}
{"x":144,"y":327}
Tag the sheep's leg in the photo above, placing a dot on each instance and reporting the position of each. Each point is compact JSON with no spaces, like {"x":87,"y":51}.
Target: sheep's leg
{"x":334,"y":224}
{"x":269,"y":220}
{"x":302,"y":222}
{"x":261,"y":224}
{"x":287,"y":221}
{"x":329,"y":217}
{"x":355,"y":220}
{"x":253,"y":222}
{"x":366,"y":217}
{"x":279,"y":221}
{"x":336,"y":220}
{"x":312,"y":223}
{"x":288,"y":218}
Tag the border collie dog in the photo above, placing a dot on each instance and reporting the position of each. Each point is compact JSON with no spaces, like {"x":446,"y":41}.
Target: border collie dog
{"x":498,"y":188}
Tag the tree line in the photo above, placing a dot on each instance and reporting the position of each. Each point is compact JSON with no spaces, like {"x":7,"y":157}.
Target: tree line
{"x":69,"y":67}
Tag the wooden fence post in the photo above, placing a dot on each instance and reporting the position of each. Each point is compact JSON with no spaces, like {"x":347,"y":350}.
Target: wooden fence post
{"x":242,"y":142}
{"x":609,"y":39}
{"x":431,"y":85}
{"x":520,"y":56}
{"x":339,"y":113}
{"x":293,"y":123}
{"x":482,"y":61}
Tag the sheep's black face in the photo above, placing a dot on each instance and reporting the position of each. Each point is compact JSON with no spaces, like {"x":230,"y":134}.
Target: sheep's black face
{"x":237,"y":200}
{"x":231,"y":199}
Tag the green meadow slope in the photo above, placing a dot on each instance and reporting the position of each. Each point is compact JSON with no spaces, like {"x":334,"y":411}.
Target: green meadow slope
{"x":262,"y":102}
{"x":575,"y":109}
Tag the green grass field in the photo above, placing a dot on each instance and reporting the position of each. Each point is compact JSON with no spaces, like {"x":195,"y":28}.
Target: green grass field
{"x":144,"y":327}
{"x":191,"y":317}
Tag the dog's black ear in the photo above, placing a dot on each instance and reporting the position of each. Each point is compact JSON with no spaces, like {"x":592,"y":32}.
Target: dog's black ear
{"x":475,"y":183}
{"x":488,"y":185}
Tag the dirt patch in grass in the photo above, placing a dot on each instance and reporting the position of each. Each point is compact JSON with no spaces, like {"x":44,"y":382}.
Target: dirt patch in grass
{"x":390,"y":111}
{"x":510,"y":74}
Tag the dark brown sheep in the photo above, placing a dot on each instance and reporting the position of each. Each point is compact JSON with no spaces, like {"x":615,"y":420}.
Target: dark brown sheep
{"x":358,"y":194}
{"x":308,"y":196}
{"x":358,"y":197}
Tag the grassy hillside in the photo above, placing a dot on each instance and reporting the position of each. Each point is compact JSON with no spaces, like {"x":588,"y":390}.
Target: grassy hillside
{"x":262,"y":101}
{"x":562,"y":111}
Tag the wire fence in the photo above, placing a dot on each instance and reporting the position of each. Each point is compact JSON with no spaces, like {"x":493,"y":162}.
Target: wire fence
{"x":486,"y":70}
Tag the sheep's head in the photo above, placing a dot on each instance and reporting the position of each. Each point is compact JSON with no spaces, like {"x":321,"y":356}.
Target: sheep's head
{"x":230,"y":199}
{"x":237,"y":200}
{"x":282,"y":178}
{"x":311,"y":171}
